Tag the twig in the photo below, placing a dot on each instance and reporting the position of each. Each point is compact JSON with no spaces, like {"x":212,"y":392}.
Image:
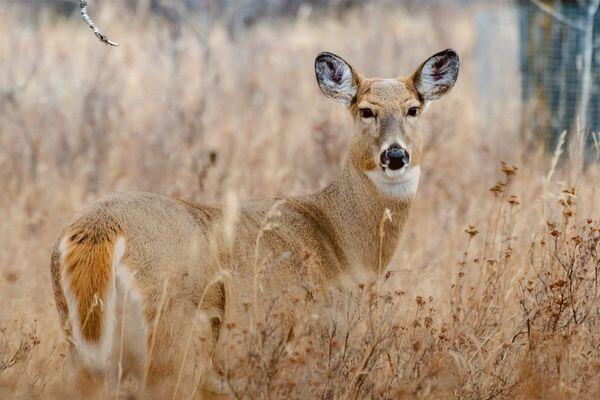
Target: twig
{"x":86,"y":17}
{"x":596,"y":137}
{"x":560,"y":17}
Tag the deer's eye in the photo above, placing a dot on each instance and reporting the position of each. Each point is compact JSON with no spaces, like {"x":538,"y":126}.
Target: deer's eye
{"x":413,"y":112}
{"x":366,"y":113}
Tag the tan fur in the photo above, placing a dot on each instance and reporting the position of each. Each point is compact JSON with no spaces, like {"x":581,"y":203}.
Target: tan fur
{"x":195,"y":268}
{"x":59,"y":296}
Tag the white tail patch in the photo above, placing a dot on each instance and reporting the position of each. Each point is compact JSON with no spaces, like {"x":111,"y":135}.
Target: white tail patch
{"x":94,"y":355}
{"x":133,"y":329}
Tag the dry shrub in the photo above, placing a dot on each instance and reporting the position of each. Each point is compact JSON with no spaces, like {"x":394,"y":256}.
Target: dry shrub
{"x":492,"y":292}
{"x":520,"y":322}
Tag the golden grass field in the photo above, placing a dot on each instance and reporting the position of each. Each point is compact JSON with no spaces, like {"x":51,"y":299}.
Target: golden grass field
{"x":492,"y":294}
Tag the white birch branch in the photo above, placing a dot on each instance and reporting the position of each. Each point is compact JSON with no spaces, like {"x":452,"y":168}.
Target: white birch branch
{"x":86,"y":17}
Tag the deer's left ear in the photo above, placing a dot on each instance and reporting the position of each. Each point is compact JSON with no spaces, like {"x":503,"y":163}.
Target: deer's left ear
{"x":336,"y":78}
{"x":436,"y":76}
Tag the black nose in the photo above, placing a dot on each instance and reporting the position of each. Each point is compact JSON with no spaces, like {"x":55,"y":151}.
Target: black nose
{"x":394,"y":158}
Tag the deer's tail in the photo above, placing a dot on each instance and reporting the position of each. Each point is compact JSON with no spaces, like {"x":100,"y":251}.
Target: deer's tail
{"x":83,"y":268}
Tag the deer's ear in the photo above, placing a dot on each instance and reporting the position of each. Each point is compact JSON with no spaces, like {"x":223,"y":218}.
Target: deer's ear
{"x":336,"y":78}
{"x":436,"y":76}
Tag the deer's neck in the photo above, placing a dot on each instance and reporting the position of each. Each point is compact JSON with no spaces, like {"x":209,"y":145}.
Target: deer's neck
{"x":358,"y":212}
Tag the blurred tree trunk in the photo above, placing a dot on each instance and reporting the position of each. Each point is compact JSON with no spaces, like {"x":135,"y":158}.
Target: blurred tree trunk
{"x":588,"y":49}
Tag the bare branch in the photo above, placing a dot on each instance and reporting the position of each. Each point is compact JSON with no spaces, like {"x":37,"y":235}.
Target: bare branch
{"x":557,"y":15}
{"x":86,"y":17}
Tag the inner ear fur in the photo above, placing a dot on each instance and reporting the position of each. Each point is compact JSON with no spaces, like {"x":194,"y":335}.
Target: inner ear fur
{"x":336,"y":78}
{"x":437,"y":75}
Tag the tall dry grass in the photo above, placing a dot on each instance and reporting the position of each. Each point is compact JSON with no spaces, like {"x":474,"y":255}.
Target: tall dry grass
{"x":492,"y":292}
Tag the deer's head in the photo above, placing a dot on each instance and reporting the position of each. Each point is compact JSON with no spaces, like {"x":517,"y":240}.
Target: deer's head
{"x":388,"y":141}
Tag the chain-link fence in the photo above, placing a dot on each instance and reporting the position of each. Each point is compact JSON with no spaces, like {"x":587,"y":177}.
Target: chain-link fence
{"x":560,"y":66}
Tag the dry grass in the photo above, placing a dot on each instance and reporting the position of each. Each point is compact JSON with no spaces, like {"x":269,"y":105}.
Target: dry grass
{"x":492,"y":293}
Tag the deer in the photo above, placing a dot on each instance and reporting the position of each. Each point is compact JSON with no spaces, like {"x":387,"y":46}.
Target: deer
{"x":135,"y":272}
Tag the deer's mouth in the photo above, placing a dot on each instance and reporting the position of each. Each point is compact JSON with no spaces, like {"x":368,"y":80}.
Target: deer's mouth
{"x":401,"y":183}
{"x":397,"y":175}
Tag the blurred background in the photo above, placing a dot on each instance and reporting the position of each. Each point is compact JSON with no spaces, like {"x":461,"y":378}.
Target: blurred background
{"x":203,"y":98}
{"x":553,"y":45}
{"x":530,"y":68}
{"x":206,"y":97}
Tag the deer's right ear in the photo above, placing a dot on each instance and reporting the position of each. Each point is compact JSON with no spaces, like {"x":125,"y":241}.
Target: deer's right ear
{"x":336,"y":78}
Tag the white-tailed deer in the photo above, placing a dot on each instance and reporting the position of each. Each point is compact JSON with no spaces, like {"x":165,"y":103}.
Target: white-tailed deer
{"x":165,"y":266}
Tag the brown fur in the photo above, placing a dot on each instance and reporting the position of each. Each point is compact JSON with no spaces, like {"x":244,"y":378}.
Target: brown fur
{"x":196,"y":267}
{"x":88,"y":265}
